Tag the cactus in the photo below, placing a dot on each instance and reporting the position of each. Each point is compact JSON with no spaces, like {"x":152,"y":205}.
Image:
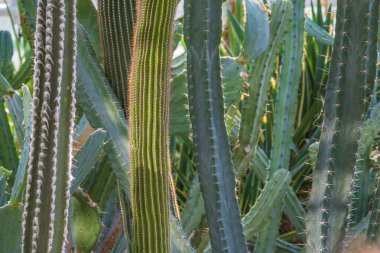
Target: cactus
{"x":346,"y":101}
{"x":272,"y":194}
{"x":148,"y":121}
{"x":6,"y":53}
{"x":369,"y":132}
{"x":259,"y":85}
{"x":284,"y":115}
{"x":256,"y":33}
{"x":94,"y":94}
{"x":116,"y":19}
{"x":202,"y":31}
{"x":45,"y":215}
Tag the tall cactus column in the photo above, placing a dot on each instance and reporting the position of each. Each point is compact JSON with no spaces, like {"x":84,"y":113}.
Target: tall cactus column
{"x":45,"y":215}
{"x":346,"y":102}
{"x":203,"y":29}
{"x":149,"y":87}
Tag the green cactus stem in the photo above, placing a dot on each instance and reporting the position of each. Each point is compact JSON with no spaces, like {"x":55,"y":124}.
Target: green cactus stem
{"x":346,"y":102}
{"x":212,"y":149}
{"x":284,"y":115}
{"x":45,"y":215}
{"x":259,"y":86}
{"x":149,"y":87}
{"x":116,"y":19}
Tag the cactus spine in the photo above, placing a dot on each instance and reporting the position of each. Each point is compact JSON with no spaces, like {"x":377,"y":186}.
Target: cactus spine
{"x":48,"y":178}
{"x":148,"y":120}
{"x":202,"y":35}
{"x":346,"y":101}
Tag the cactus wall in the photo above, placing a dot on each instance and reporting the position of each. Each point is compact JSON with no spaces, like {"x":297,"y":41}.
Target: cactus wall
{"x":205,"y":126}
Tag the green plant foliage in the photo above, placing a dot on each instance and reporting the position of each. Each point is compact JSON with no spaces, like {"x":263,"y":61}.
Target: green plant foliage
{"x":86,"y":224}
{"x":285,"y":89}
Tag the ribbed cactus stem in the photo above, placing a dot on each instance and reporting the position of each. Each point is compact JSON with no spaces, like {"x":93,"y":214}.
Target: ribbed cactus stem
{"x":259,"y":86}
{"x":149,"y":87}
{"x":346,"y":102}
{"x":116,"y":19}
{"x":45,"y":215}
{"x":202,"y":31}
{"x":284,"y":115}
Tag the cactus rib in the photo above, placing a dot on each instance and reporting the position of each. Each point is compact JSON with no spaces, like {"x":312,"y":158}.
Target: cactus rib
{"x":259,"y":85}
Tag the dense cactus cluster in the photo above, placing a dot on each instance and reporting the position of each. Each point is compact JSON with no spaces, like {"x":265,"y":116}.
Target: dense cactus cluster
{"x":229,"y":126}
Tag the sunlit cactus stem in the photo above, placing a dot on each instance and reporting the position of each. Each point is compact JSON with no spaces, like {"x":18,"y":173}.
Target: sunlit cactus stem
{"x":45,"y":217}
{"x":148,"y":101}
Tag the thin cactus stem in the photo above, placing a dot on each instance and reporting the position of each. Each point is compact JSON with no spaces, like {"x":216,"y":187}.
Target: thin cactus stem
{"x":202,"y":29}
{"x":259,"y":86}
{"x":149,"y":87}
{"x":284,"y":115}
{"x":346,"y":102}
{"x":45,"y":215}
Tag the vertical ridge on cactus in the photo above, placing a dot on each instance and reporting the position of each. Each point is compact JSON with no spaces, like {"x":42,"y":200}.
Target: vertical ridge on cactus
{"x":45,"y":215}
{"x":149,"y":84}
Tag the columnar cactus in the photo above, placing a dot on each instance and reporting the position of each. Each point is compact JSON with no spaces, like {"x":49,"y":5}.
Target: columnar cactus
{"x":284,"y":114}
{"x":116,"y":19}
{"x":148,"y":102}
{"x":45,"y":215}
{"x":346,"y":102}
{"x":259,"y":86}
{"x":203,"y":29}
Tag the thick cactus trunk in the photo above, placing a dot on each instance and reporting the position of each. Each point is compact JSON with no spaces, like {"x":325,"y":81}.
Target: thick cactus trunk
{"x":47,"y":193}
{"x":149,"y":87}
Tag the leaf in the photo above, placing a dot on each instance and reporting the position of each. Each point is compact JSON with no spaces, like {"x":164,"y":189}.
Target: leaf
{"x":86,"y":157}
